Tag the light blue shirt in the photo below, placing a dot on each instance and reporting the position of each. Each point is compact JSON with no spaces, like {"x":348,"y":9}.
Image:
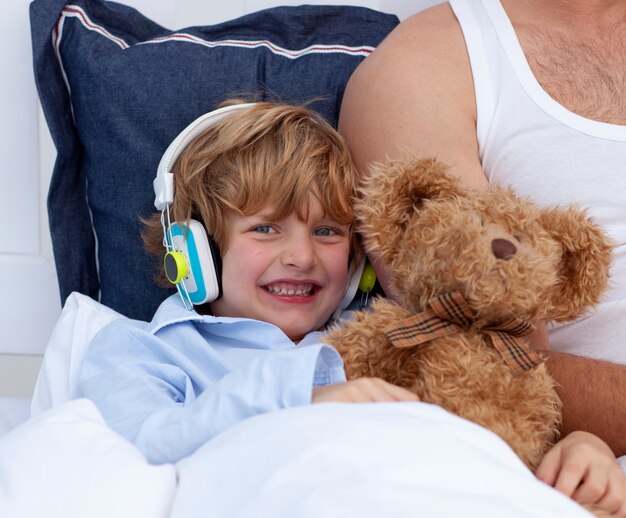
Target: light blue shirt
{"x":174,"y":383}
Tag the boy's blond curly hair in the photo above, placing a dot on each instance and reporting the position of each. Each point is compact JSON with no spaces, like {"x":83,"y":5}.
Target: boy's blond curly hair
{"x":269,"y":154}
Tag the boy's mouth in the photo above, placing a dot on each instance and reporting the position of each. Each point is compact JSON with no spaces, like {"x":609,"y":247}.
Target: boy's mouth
{"x":284,"y":289}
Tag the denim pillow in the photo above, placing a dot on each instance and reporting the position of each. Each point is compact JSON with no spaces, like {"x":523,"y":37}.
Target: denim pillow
{"x":116,"y":88}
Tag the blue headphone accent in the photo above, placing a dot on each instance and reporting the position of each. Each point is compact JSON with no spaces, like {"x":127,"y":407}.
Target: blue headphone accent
{"x":204,"y":264}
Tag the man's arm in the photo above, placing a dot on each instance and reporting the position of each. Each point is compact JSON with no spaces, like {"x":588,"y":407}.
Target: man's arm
{"x":594,"y":397}
{"x":416,"y":92}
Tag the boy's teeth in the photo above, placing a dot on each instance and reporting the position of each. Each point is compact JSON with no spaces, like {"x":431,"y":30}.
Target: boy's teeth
{"x":290,"y":291}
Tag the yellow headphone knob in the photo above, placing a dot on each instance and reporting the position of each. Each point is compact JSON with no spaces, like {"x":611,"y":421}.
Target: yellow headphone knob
{"x":176,"y":267}
{"x":368,"y":279}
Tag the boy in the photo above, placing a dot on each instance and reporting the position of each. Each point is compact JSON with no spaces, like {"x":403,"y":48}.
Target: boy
{"x":272,"y":185}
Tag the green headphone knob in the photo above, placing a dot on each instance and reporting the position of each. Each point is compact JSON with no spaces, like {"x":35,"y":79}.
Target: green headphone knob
{"x":176,"y":267}
{"x":368,"y":279}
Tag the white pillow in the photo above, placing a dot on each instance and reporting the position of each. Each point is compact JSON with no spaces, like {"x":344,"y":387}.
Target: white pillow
{"x":67,"y":463}
{"x":81,"y":318}
{"x":13,"y":411}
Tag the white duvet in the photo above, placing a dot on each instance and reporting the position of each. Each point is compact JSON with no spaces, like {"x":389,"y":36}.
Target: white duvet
{"x":375,"y":460}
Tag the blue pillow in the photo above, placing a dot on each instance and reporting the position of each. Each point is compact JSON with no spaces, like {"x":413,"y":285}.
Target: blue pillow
{"x":116,"y":88}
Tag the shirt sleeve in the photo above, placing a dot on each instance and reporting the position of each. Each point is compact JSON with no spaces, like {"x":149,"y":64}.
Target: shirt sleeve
{"x":156,"y":405}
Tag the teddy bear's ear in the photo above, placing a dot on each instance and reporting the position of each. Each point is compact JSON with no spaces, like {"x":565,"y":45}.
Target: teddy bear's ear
{"x":392,"y":194}
{"x":585,"y":261}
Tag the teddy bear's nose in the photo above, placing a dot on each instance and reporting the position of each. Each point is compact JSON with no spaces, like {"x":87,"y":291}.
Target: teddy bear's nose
{"x":503,"y":249}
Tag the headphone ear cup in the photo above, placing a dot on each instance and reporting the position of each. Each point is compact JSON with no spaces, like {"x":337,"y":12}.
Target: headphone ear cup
{"x":203,"y":281}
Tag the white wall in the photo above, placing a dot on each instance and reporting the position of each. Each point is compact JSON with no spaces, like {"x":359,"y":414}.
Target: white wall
{"x":29,"y":297}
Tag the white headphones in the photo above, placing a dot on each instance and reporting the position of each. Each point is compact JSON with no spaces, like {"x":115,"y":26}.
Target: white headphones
{"x":192,"y":262}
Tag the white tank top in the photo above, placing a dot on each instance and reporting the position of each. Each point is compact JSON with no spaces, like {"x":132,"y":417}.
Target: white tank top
{"x":529,"y":141}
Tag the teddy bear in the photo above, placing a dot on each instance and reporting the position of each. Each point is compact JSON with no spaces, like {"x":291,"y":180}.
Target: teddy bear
{"x":471,"y":272}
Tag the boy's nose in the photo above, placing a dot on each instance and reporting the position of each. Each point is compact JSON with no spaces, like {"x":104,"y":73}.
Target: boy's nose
{"x":299,"y":253}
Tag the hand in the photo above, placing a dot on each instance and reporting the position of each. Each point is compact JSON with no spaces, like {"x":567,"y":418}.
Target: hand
{"x":583,"y":467}
{"x":362,"y":390}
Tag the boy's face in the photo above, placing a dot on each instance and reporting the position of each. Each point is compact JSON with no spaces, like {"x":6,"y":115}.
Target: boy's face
{"x":290,"y":273}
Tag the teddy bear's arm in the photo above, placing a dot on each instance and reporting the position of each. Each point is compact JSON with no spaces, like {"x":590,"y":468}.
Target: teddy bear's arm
{"x":361,"y":341}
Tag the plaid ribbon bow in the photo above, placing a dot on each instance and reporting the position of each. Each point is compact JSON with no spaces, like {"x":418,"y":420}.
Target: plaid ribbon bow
{"x":450,"y":314}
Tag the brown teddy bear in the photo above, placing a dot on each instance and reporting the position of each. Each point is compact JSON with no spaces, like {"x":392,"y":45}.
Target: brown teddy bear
{"x":471,"y":273}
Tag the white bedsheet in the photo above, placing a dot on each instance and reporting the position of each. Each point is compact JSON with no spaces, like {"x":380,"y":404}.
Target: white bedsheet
{"x":67,"y":463}
{"x":375,"y":460}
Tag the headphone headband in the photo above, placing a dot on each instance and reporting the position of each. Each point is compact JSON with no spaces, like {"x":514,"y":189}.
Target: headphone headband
{"x":164,"y":182}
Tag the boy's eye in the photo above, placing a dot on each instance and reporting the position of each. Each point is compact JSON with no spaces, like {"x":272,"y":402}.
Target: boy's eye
{"x":263,"y":229}
{"x":325,"y":232}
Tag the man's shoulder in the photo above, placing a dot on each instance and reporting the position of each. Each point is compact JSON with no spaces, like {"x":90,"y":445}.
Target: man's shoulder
{"x":426,"y":51}
{"x":437,"y":18}
{"x":416,"y":92}
{"x":432,"y":34}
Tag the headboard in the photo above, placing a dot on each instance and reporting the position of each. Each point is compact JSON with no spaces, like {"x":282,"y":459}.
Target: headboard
{"x":116,"y":88}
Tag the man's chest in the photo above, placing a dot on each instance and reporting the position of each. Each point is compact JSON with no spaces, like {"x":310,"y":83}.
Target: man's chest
{"x":585,"y":75}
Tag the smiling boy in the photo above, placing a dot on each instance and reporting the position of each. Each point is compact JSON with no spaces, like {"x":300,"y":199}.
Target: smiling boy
{"x":272,"y":185}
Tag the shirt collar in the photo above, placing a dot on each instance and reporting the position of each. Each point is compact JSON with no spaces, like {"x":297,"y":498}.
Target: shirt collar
{"x":172,"y":311}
